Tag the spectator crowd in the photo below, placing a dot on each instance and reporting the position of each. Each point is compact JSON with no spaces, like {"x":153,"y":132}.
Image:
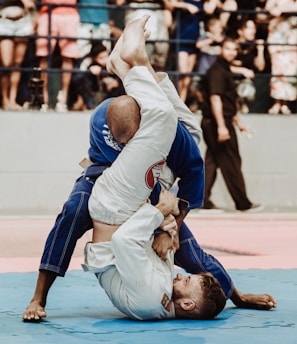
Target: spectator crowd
{"x":70,"y":41}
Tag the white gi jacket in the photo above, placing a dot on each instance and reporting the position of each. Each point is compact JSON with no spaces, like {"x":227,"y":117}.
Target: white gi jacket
{"x":127,"y":184}
{"x":137,"y":281}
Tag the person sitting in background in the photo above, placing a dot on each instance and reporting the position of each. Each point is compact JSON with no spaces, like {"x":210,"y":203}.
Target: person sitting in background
{"x":93,"y":78}
{"x":85,"y":82}
{"x":15,"y":20}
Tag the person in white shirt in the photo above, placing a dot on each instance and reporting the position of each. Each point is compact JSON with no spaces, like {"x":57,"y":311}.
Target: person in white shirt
{"x":138,"y":282}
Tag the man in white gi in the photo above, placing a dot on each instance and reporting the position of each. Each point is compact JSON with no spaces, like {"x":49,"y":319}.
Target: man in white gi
{"x":136,"y":280}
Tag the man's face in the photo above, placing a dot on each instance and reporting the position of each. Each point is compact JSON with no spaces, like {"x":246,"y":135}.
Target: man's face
{"x":186,"y":286}
{"x":101,"y":58}
{"x":229,"y":51}
{"x":248,"y":33}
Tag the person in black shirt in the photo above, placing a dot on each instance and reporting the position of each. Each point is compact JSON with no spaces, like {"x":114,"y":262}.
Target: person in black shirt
{"x":219,"y":114}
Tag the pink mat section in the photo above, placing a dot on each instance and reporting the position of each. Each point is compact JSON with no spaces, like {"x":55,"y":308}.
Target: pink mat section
{"x":240,"y":241}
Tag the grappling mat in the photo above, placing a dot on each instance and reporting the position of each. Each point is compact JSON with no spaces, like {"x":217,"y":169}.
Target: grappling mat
{"x":80,"y":312}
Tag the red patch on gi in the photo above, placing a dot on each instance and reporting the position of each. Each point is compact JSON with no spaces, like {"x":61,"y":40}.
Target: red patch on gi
{"x":166,"y":302}
{"x":153,"y":173}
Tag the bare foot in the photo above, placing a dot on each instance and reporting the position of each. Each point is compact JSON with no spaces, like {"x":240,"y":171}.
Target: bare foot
{"x":254,"y":301}
{"x":132,"y":49}
{"x":34,"y":312}
{"x":15,"y":106}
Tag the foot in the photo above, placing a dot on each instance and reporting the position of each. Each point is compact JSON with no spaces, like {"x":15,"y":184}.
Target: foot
{"x":129,"y":49}
{"x":133,"y":49}
{"x":285,"y":110}
{"x":254,"y":208}
{"x":15,"y":106}
{"x":34,"y":312}
{"x":256,"y":301}
{"x":275,"y":109}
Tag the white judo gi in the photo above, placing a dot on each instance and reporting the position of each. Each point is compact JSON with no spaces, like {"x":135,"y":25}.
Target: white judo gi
{"x":136,"y":280}
{"x":126,"y":185}
{"x":134,"y":277}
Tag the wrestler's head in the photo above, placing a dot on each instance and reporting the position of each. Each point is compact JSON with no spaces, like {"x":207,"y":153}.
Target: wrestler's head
{"x":197,"y":296}
{"x":123,"y":118}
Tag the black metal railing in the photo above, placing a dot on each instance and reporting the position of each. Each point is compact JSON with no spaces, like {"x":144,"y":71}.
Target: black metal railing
{"x":174,"y":41}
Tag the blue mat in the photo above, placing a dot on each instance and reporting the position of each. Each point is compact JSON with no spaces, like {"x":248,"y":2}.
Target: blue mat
{"x":79,"y":312}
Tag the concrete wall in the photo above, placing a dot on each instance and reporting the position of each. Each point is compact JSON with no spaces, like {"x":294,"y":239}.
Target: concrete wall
{"x":40,"y":152}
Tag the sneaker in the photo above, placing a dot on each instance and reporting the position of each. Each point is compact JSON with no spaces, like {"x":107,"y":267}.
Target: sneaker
{"x":254,"y":208}
{"x":211,"y":209}
{"x":44,"y":108}
{"x":61,"y":107}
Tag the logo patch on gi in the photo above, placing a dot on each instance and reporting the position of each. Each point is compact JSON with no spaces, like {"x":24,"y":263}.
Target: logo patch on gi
{"x":153,"y":173}
{"x":166,"y":302}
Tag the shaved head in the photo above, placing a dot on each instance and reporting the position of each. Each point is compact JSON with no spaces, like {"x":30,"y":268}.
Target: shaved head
{"x":123,"y":118}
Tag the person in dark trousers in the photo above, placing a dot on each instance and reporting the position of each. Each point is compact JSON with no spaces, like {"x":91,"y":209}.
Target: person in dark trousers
{"x":219,"y":116}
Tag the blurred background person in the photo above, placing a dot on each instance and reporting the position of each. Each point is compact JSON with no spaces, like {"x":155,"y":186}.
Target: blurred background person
{"x":63,"y":23}
{"x":158,"y":25}
{"x":282,"y":38}
{"x":252,"y":55}
{"x":209,"y":44}
{"x":187,"y":29}
{"x":84,"y":84}
{"x":90,"y":82}
{"x":222,"y":8}
{"x":16,"y":19}
{"x":93,"y":25}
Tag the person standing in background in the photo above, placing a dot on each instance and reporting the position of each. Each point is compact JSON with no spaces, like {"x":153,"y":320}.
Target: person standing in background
{"x":219,"y":113}
{"x":94,"y":25}
{"x":15,"y":20}
{"x":187,"y":29}
{"x":63,"y":22}
{"x":157,"y":25}
{"x":282,"y":37}
{"x":252,"y":55}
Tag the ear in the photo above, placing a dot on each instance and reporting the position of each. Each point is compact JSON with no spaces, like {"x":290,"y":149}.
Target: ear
{"x":187,"y":304}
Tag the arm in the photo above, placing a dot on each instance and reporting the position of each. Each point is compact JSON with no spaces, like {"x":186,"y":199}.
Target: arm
{"x":247,"y":73}
{"x":201,"y":43}
{"x":259,"y":60}
{"x":183,"y":6}
{"x":253,"y":301}
{"x":241,"y":126}
{"x":217,"y":109}
{"x":276,"y":8}
{"x":211,"y":5}
{"x":130,"y":243}
{"x":28,"y":4}
{"x":163,"y":241}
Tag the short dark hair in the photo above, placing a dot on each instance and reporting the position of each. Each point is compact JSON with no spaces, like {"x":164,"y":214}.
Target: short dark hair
{"x":214,"y":299}
{"x":230,"y":39}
